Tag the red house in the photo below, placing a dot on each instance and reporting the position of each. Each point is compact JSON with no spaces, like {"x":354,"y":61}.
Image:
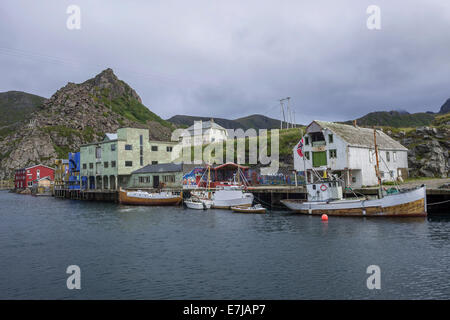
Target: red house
{"x":24,"y":177}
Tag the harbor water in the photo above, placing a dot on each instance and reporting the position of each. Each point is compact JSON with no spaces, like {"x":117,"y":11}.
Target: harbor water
{"x":127,"y":252}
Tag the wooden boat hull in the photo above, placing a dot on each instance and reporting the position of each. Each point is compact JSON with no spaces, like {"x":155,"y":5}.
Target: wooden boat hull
{"x":406,"y":204}
{"x":125,"y":199}
{"x":248,"y":210}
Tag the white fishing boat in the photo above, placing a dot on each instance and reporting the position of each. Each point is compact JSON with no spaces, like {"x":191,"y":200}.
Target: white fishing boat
{"x":325,"y":197}
{"x":232,"y":196}
{"x":198,"y":204}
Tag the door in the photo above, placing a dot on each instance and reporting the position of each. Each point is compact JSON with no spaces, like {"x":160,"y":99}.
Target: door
{"x":155,"y":181}
{"x":319,"y":158}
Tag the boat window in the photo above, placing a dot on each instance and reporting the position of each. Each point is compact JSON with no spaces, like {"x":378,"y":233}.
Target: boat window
{"x":314,"y":187}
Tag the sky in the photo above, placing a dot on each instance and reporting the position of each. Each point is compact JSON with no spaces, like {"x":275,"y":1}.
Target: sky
{"x":235,"y":58}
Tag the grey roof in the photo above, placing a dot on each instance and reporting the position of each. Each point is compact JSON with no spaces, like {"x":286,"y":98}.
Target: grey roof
{"x":111,"y":136}
{"x":207,"y":125}
{"x":361,"y":137}
{"x":163,"y":167}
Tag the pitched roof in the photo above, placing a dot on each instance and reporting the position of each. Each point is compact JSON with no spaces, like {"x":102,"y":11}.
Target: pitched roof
{"x":207,"y":125}
{"x":360,"y":137}
{"x":111,"y":136}
{"x":163,"y":167}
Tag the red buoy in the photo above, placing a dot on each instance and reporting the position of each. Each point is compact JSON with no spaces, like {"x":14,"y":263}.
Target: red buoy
{"x":324,"y":217}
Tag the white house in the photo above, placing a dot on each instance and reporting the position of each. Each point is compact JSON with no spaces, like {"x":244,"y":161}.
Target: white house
{"x":204,"y":132}
{"x":349,"y":152}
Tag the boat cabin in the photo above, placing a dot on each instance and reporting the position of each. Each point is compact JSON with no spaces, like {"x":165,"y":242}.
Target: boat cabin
{"x":326,"y":190}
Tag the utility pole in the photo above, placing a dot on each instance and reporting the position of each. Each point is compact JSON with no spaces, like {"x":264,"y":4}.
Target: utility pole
{"x":290,"y":111}
{"x":282,"y":113}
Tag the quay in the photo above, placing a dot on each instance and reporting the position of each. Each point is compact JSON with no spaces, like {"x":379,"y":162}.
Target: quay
{"x":438,"y":200}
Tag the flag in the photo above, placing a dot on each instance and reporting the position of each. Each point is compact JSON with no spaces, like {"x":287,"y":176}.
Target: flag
{"x":299,"y":148}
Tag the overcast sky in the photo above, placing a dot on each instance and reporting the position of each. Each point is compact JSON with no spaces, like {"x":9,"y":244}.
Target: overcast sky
{"x":233,"y":58}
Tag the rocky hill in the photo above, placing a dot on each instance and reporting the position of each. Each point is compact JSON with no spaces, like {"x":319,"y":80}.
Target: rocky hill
{"x":445,"y":108}
{"x":255,"y":121}
{"x":428,"y":154}
{"x":74,"y":115}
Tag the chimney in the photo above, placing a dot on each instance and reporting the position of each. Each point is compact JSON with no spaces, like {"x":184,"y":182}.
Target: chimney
{"x":354,"y":124}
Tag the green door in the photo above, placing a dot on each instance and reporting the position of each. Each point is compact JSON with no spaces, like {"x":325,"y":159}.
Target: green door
{"x":319,"y":158}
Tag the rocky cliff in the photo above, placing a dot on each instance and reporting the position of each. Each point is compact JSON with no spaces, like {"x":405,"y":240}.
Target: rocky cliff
{"x":428,"y":154}
{"x":74,"y":115}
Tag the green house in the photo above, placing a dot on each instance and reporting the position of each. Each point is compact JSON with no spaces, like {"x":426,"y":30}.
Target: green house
{"x":108,"y":164}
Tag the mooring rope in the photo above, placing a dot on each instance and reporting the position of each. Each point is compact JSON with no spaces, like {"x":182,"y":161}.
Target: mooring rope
{"x":431,"y":204}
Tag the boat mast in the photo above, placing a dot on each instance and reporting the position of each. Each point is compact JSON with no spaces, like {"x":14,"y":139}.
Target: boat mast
{"x":376,"y":157}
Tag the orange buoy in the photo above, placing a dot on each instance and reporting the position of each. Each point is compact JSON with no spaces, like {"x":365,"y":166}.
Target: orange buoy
{"x":324,"y":217}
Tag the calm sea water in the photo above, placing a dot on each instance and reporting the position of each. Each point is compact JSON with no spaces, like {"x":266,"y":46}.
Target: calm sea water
{"x":174,"y":253}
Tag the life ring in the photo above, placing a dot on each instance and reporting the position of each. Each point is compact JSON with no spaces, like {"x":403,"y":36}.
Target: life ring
{"x":323,"y":187}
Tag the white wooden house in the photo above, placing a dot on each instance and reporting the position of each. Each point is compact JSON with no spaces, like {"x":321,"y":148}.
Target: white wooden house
{"x":204,"y":132}
{"x":348,"y":151}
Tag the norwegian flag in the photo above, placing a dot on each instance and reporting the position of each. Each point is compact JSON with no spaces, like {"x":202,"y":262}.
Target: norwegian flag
{"x":299,"y":148}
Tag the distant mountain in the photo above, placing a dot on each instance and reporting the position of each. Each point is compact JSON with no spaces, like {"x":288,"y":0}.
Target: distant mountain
{"x":395,"y":119}
{"x":255,"y":121}
{"x":76,"y":114}
{"x":16,"y":106}
{"x":445,"y":108}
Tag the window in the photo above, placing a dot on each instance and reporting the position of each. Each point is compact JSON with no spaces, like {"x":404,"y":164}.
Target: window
{"x":84,"y":166}
{"x":113,"y":164}
{"x":371,"y":155}
{"x":306,"y":141}
{"x":332,"y":153}
{"x":141,"y":179}
{"x":388,"y":156}
{"x":113,"y":147}
{"x":154,"y":148}
{"x":394,"y":156}
{"x":141,"y":150}
{"x":169,"y":149}
{"x":128,"y":147}
{"x":353,"y":179}
{"x":154,"y":162}
{"x":141,"y":139}
{"x":91,"y":166}
{"x":307,"y":155}
{"x":169,"y":178}
{"x":98,"y":152}
{"x":105,"y":164}
{"x":147,"y":179}
{"x":128,"y":163}
{"x":330,"y":138}
{"x":38,"y":173}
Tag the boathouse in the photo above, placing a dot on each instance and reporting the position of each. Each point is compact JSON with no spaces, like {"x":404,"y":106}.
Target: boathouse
{"x":348,"y":151}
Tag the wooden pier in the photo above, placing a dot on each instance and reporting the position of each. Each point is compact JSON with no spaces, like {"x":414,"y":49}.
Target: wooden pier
{"x":438,"y":200}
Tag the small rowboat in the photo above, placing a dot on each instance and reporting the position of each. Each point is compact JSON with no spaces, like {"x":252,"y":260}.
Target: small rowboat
{"x":255,"y":209}
{"x":198,"y":204}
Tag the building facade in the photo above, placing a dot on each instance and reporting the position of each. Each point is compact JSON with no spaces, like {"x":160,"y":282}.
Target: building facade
{"x":348,"y":151}
{"x":165,"y":175}
{"x":204,"y":132}
{"x":61,"y":173}
{"x":74,"y":171}
{"x":108,"y":164}
{"x":24,"y":177}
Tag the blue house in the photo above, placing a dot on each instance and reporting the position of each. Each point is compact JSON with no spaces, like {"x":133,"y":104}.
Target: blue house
{"x":74,"y":171}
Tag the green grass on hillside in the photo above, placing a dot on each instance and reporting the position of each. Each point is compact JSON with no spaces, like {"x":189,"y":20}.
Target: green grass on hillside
{"x":130,"y":108}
